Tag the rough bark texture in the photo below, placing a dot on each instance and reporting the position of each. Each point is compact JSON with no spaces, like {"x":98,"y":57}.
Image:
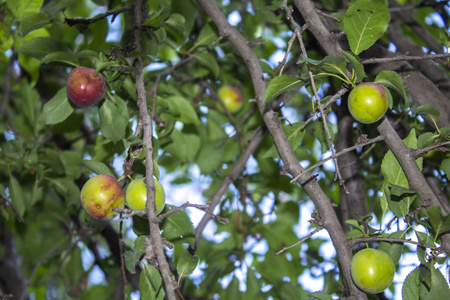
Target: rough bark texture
{"x":352,"y":200}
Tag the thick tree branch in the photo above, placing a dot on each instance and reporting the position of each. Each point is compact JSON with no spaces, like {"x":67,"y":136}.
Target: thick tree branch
{"x":146,"y":121}
{"x":323,"y":204}
{"x":407,"y":159}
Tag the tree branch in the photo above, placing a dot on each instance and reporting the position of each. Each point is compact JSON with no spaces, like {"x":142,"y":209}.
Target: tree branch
{"x":291,"y":164}
{"x":146,"y":121}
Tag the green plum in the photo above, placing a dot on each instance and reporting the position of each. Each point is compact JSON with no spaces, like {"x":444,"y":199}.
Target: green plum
{"x":231,"y":97}
{"x":136,"y":195}
{"x":372,"y":270}
{"x":368,"y":102}
{"x":100,"y":194}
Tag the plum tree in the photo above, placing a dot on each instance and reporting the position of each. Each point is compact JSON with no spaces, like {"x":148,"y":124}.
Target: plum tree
{"x":372,"y":270}
{"x":368,"y":102}
{"x":231,"y":98}
{"x":100,"y":194}
{"x":84,"y":87}
{"x":136,"y":195}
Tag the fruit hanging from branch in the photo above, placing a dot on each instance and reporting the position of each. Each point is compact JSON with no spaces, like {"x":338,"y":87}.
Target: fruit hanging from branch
{"x":231,"y":98}
{"x":100,"y":194}
{"x":136,"y":195}
{"x":372,"y":270}
{"x":84,"y":87}
{"x":368,"y":102}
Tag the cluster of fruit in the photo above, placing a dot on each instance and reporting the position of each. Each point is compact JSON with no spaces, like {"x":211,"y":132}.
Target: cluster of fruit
{"x":101,"y":193}
{"x":85,"y":87}
{"x":372,"y":270}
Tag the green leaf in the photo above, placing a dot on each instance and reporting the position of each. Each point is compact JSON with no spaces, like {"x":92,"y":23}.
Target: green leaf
{"x":356,"y":65}
{"x":365,"y":22}
{"x":60,"y":57}
{"x":182,"y":108}
{"x":295,"y":136}
{"x":210,"y":157}
{"x":393,"y":249}
{"x":16,"y":194}
{"x":355,"y":233}
{"x":321,"y":135}
{"x":392,"y":80}
{"x":334,"y":65}
{"x":176,"y":21}
{"x":188,"y":10}
{"x":178,"y":228}
{"x":87,"y":54}
{"x":439,"y":288}
{"x":208,"y":61}
{"x":425,"y":283}
{"x":207,"y":35}
{"x":186,"y":264}
{"x":57,"y":109}
{"x":40,"y":47}
{"x":185,"y":146}
{"x":427,"y":111}
{"x":439,"y":222}
{"x":156,"y":18}
{"x":130,"y":261}
{"x":394,"y":176}
{"x":71,"y":161}
{"x":113,"y":118}
{"x":280,"y":85}
{"x":24,"y":8}
{"x":150,"y":283}
{"x":396,"y":190}
{"x":33,"y":22}
{"x":97,"y":167}
{"x":130,"y":87}
{"x":427,"y":139}
{"x":410,"y":289}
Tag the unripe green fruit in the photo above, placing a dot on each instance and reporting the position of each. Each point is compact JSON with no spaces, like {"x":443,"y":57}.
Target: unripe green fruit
{"x":368,"y":102}
{"x":136,"y":195}
{"x":100,"y":194}
{"x":372,"y":270}
{"x":84,"y":87}
{"x":231,"y":97}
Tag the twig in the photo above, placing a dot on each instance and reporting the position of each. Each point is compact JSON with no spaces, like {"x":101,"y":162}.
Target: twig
{"x":282,"y":63}
{"x":422,"y":151}
{"x":128,"y":213}
{"x":317,"y":229}
{"x":86,"y":22}
{"x":202,"y":207}
{"x":371,"y":141}
{"x":234,"y":173}
{"x":403,"y":58}
{"x":355,"y":241}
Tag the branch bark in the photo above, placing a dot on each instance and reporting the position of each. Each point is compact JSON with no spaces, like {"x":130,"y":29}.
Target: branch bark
{"x":292,"y":166}
{"x":146,"y":121}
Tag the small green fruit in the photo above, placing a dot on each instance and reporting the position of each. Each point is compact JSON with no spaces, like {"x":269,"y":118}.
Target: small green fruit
{"x":368,"y":102}
{"x":100,"y":194}
{"x":372,"y":270}
{"x":231,"y":97}
{"x":136,"y":195}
